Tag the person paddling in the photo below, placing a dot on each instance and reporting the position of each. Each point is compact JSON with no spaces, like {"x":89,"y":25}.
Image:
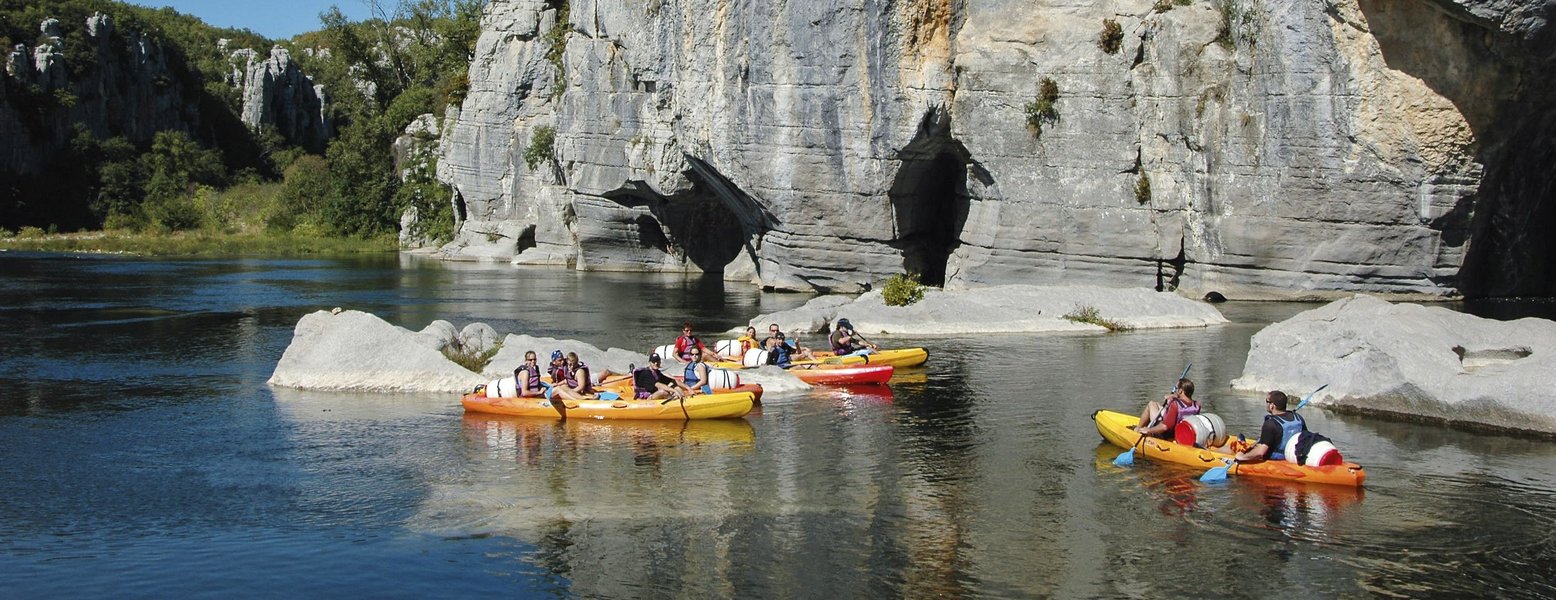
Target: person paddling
{"x":846,"y":341}
{"x":1282,"y":427}
{"x":687,"y":342}
{"x":1159,"y":419}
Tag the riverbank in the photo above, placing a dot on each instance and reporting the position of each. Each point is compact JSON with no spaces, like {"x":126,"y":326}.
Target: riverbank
{"x":194,"y":243}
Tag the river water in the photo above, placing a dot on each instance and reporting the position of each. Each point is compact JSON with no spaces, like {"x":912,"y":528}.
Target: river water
{"x":144,"y":456}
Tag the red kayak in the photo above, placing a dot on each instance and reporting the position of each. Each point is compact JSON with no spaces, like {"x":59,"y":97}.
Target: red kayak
{"x":843,"y":374}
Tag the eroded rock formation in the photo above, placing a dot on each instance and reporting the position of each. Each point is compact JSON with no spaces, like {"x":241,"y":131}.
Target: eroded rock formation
{"x":1248,"y":147}
{"x":276,"y":93}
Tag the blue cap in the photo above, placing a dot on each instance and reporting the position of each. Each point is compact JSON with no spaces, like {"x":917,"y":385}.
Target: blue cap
{"x":556,"y":355}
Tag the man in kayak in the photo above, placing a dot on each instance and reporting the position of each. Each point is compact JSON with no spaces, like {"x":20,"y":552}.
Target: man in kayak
{"x":650,"y":383}
{"x":1280,"y":427}
{"x":775,"y":336}
{"x":1159,"y":419}
{"x":845,"y":341}
{"x":687,"y":341}
{"x":526,"y":378}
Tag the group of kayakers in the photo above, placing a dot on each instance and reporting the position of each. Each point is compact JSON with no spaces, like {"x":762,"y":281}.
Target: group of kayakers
{"x":571,"y":379}
{"x":1280,"y":427}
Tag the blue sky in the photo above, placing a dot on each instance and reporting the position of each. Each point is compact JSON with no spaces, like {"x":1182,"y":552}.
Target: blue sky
{"x":274,"y":19}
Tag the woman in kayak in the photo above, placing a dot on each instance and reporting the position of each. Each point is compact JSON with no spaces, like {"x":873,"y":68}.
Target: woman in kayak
{"x":526,"y":378}
{"x":687,"y":342}
{"x":1158,"y":420}
{"x":845,"y":341}
{"x":575,"y":383}
{"x":696,"y":375}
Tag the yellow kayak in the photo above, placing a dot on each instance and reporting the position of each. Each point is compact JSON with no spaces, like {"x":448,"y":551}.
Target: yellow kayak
{"x":900,"y":357}
{"x":1118,"y":429}
{"x":710,"y":406}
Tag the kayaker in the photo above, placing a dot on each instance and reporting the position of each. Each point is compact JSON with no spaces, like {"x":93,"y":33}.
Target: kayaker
{"x":650,"y":383}
{"x":1159,"y":419}
{"x":526,"y":378}
{"x":845,"y":341}
{"x":696,"y":375}
{"x":558,"y":368}
{"x":748,"y":341}
{"x":778,"y":352}
{"x":1280,"y":426}
{"x":775,"y":335}
{"x":687,"y":341}
{"x":575,"y":383}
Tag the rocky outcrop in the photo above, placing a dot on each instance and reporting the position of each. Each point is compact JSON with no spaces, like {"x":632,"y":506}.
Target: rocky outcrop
{"x":276,"y":93}
{"x":1252,"y":148}
{"x":1412,"y":360}
{"x":995,"y":309}
{"x":356,"y":351}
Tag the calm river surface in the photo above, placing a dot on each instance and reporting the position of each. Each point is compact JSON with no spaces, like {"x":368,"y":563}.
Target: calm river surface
{"x":143,"y":455}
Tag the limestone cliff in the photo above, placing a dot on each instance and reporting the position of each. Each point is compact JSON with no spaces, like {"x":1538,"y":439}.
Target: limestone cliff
{"x":1249,"y":147}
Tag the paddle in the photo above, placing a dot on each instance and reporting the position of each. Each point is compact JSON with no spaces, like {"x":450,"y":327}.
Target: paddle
{"x":1220,"y":473}
{"x":1128,"y":457}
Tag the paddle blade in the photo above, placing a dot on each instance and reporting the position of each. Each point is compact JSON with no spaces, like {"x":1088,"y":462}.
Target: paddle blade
{"x":1125,"y":459}
{"x":608,"y":396}
{"x":1216,"y":474}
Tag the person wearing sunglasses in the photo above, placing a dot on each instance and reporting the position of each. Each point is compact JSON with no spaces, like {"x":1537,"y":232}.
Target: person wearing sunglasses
{"x":696,"y":375}
{"x":688,"y":342}
{"x":527,"y":378}
{"x":650,"y":383}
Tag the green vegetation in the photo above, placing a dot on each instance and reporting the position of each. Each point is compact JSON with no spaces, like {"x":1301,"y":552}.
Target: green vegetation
{"x":213,"y":177}
{"x":1111,"y":38}
{"x":1143,"y":189}
{"x":902,"y":289}
{"x":556,"y":45}
{"x":542,"y":143}
{"x":1237,"y":24}
{"x":1089,"y":314}
{"x":472,"y":361}
{"x":1042,"y":110}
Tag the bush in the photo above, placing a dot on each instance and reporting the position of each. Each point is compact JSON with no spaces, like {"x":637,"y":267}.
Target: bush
{"x":902,"y":290}
{"x":541,"y":144}
{"x":1112,"y":37}
{"x":1143,"y":189}
{"x":1089,"y":314}
{"x":472,"y":361}
{"x":1042,"y":110}
{"x":1162,"y":6}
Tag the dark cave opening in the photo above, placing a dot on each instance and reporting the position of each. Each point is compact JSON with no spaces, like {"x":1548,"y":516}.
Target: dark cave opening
{"x":931,"y":202}
{"x":696,"y":224}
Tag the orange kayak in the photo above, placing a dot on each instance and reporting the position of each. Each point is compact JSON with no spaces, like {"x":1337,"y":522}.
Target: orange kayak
{"x":708,"y":406}
{"x":1118,"y":429}
{"x":843,"y":374}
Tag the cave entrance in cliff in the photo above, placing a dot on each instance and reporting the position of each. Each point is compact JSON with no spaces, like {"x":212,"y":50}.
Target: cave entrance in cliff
{"x":930,"y":200}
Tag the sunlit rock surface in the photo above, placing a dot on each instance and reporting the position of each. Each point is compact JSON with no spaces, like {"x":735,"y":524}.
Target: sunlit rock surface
{"x":357,"y":351}
{"x":1282,"y":150}
{"x":1413,"y":360}
{"x":998,"y":309}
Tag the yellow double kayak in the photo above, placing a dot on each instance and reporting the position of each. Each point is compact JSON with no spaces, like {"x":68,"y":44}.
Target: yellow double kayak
{"x":900,"y":357}
{"x":1118,"y":429}
{"x":708,"y":406}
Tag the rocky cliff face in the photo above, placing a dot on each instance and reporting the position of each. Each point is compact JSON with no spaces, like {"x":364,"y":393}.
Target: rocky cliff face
{"x":1248,"y":147}
{"x":276,"y":93}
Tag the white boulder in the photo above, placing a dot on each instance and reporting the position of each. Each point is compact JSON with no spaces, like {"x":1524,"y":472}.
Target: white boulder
{"x":999,"y":309}
{"x":356,"y":351}
{"x":476,"y":338}
{"x":1413,"y":360}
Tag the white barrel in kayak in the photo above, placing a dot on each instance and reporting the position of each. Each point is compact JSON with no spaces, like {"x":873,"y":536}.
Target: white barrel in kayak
{"x":1321,"y":454}
{"x":723,"y":379}
{"x":727,"y":347}
{"x":1204,"y":430}
{"x":754,"y":357}
{"x":667,"y":353}
{"x":502,"y":388}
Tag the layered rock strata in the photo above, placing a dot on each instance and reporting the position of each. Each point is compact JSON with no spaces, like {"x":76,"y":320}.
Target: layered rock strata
{"x":1407,"y":359}
{"x":1258,"y":149}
